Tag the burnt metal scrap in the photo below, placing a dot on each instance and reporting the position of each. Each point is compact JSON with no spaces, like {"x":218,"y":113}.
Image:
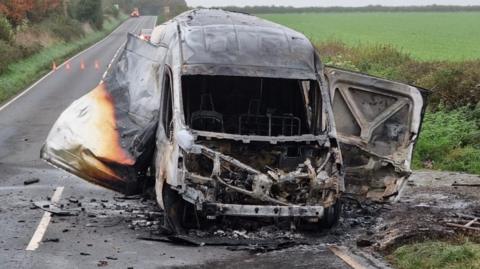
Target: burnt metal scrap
{"x":226,"y":114}
{"x":466,"y":222}
{"x":253,"y":245}
{"x":54,"y":209}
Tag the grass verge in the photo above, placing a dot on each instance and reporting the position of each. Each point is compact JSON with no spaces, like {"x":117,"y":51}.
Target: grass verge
{"x":27,"y":71}
{"x":437,"y":255}
{"x":450,"y":140}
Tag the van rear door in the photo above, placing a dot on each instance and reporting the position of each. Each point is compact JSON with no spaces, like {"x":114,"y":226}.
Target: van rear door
{"x":377,"y":123}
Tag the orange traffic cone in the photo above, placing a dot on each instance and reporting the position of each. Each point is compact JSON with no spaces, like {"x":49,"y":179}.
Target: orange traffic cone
{"x":97,"y":65}
{"x":67,"y":66}
{"x":54,"y":66}
{"x":82,"y":65}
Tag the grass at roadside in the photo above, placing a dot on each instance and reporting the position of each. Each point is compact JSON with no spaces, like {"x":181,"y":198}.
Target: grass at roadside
{"x":160,"y":19}
{"x":450,"y":140}
{"x":437,"y":255}
{"x":26,"y":71}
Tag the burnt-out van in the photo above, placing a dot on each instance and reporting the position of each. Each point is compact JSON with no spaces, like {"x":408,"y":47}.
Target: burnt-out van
{"x":226,"y":114}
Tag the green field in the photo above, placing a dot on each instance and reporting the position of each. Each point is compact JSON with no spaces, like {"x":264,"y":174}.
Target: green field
{"x":424,"y":35}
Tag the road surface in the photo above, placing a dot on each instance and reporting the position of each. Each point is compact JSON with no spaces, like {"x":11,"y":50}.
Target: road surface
{"x":24,"y":125}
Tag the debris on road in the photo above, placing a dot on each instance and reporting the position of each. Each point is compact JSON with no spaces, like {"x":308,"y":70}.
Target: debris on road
{"x":31,"y":181}
{"x":365,"y":242}
{"x":127,"y":197}
{"x":374,"y":227}
{"x":357,"y":259}
{"x":105,"y":222}
{"x":54,"y":209}
{"x":455,"y":184}
{"x":347,"y":257}
{"x":466,"y":222}
{"x":73,"y":200}
{"x":55,"y":240}
{"x":102,"y":263}
{"x":252,"y":245}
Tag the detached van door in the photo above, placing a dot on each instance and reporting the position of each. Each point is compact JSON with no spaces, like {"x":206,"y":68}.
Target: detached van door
{"x":108,"y":135}
{"x":377,"y":123}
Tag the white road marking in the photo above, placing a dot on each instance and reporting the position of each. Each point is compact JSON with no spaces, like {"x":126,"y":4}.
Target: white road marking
{"x":155,"y":23}
{"x":51,"y":72}
{"x":42,"y":226}
{"x":111,"y":62}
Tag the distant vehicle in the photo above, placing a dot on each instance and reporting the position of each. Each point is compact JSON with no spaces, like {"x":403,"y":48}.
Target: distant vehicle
{"x":135,"y":13}
{"x":146,"y":34}
{"x":226,"y":114}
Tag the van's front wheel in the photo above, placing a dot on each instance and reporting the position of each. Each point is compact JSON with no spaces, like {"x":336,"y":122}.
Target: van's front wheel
{"x":331,"y":215}
{"x":174,"y":207}
{"x":179,"y":214}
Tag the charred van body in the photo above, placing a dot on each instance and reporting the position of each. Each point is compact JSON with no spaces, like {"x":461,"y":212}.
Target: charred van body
{"x":229,"y":114}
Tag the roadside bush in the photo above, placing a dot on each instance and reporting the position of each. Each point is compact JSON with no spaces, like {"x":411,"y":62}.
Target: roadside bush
{"x":379,"y":60}
{"x":454,"y":84}
{"x":8,"y":55}
{"x":332,"y":49}
{"x":6,"y":31}
{"x":90,"y":11}
{"x":65,"y":28}
{"x":112,"y":11}
{"x":30,"y":50}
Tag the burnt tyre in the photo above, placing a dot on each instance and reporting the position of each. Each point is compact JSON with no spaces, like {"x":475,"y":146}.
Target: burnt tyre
{"x":174,"y":210}
{"x":331,"y":215}
{"x":180,"y":215}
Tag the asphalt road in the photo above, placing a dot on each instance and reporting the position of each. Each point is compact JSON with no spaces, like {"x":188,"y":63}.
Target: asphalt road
{"x":24,"y":125}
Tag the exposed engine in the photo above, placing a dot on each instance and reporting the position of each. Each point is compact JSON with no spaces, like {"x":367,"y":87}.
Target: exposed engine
{"x":282,"y":174}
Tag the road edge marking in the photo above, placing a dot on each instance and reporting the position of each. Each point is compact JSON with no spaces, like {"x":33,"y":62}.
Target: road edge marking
{"x":43,"y":225}
{"x":111,"y":62}
{"x":155,"y":22}
{"x":23,"y":92}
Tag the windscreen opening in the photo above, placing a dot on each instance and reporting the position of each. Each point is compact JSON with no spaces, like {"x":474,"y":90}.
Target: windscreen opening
{"x":249,"y":105}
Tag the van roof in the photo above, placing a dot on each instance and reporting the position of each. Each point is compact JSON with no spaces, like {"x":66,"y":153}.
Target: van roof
{"x":219,"y":42}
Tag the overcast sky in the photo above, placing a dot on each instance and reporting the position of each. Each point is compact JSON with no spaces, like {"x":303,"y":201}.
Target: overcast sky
{"x":325,"y":3}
